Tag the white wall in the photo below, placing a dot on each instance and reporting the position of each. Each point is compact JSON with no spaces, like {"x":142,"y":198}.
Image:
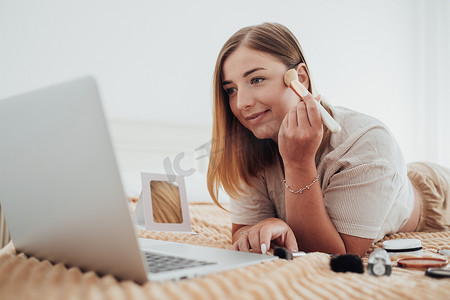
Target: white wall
{"x":432,"y":106}
{"x":154,"y":62}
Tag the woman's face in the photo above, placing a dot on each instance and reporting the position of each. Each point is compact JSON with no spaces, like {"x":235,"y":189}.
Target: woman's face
{"x":257,"y":94}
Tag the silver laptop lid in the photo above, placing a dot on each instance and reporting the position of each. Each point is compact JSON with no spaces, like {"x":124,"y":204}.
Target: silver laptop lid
{"x":60,"y":188}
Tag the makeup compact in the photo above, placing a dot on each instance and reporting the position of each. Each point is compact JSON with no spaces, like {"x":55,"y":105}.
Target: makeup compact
{"x":403,"y":246}
{"x":438,"y":273}
{"x":422,"y":263}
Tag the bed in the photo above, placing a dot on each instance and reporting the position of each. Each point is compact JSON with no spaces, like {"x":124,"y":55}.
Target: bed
{"x":308,"y":277}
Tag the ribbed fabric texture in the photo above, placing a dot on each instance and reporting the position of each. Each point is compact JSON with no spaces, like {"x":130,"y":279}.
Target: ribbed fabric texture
{"x":308,"y":277}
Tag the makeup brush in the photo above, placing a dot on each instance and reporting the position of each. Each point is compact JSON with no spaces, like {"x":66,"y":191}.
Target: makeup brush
{"x":283,"y":253}
{"x":291,"y":80}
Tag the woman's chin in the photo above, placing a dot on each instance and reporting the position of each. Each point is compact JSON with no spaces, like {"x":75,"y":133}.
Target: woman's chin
{"x":264,"y":134}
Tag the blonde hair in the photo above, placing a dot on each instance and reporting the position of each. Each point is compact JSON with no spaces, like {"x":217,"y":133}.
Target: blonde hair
{"x":236,"y":154}
{"x":166,"y":203}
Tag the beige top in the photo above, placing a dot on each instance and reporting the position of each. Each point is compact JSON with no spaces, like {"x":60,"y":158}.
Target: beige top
{"x":363,"y":179}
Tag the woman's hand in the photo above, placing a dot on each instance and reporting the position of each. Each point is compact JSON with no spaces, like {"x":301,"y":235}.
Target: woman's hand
{"x":264,"y":232}
{"x":301,"y":132}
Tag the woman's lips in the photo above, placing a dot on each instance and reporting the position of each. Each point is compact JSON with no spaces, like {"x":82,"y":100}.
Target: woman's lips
{"x":256,"y":118}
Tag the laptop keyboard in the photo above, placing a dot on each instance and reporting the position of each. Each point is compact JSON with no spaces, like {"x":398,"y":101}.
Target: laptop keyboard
{"x":157,"y":263}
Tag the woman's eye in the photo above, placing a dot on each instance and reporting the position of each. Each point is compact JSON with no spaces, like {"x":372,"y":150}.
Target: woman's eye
{"x":230,"y":91}
{"x":256,"y":80}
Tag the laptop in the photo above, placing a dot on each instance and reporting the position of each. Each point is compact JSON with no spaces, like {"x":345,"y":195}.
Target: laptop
{"x":62,"y":195}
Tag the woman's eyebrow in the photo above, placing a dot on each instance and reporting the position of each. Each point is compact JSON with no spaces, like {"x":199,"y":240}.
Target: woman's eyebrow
{"x":252,"y":70}
{"x":245,"y":74}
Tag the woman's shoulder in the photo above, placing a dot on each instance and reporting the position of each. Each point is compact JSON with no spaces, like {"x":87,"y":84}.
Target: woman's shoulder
{"x":363,"y":137}
{"x":351,"y":120}
{"x":356,"y":125}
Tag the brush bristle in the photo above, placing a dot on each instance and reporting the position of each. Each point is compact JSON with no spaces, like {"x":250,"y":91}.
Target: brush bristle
{"x":290,"y":76}
{"x":347,"y":263}
{"x":283,"y":253}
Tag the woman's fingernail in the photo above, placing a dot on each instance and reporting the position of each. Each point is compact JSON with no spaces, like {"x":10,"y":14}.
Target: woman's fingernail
{"x":263,"y":248}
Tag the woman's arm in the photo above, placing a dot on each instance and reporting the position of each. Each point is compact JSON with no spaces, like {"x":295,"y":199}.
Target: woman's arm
{"x":306,"y":213}
{"x":299,"y":138}
{"x":307,"y":216}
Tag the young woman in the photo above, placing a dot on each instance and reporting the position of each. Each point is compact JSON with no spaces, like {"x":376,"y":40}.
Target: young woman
{"x":293,"y":182}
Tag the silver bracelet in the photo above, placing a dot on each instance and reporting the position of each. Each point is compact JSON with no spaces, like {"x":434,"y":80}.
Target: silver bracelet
{"x":302,"y":189}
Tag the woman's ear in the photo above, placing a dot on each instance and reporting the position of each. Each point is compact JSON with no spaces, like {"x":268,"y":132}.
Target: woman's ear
{"x":303,"y":75}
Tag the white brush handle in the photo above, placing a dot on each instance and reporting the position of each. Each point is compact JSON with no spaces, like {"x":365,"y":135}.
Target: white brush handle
{"x":328,"y":120}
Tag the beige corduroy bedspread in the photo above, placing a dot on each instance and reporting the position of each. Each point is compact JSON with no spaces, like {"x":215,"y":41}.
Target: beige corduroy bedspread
{"x":308,"y":277}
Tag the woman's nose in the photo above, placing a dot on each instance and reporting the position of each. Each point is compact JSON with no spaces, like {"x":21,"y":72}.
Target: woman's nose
{"x":244,"y":100}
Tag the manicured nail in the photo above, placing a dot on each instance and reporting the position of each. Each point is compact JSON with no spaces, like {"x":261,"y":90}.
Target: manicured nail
{"x":263,"y":248}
